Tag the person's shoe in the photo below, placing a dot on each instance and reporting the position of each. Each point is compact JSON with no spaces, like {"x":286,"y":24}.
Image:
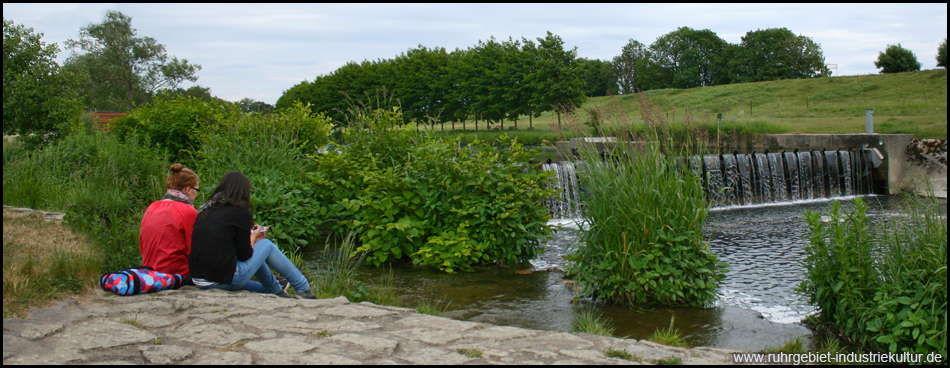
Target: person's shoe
{"x":306,"y":294}
{"x":284,"y":284}
{"x":283,"y":294}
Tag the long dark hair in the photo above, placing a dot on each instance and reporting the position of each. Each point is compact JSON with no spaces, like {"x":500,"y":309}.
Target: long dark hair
{"x":235,"y":190}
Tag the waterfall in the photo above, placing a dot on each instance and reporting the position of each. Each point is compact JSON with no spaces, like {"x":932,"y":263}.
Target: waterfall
{"x":743,"y":179}
{"x":566,"y":203}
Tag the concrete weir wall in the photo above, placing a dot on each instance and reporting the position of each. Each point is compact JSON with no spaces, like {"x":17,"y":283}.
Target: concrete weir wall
{"x":891,"y":146}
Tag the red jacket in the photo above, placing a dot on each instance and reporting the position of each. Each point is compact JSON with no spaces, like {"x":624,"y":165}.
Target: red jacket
{"x":165,"y":240}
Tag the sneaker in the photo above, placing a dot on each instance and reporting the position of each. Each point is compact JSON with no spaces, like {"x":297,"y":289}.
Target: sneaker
{"x":283,"y":294}
{"x":306,"y":294}
{"x":284,"y":284}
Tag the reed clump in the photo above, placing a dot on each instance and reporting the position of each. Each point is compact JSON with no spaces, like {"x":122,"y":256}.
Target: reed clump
{"x":646,"y":243}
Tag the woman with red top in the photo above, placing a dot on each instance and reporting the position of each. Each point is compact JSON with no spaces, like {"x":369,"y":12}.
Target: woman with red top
{"x":165,"y":239}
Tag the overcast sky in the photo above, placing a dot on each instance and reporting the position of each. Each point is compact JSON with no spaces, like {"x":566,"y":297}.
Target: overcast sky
{"x":261,"y":50}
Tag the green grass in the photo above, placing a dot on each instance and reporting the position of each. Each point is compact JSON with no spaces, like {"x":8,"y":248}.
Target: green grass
{"x":589,"y":321}
{"x":669,"y":336}
{"x":908,"y":103}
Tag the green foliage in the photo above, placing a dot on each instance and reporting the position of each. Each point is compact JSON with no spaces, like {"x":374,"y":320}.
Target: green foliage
{"x":896,"y":59}
{"x":39,"y":99}
{"x":121,"y":69}
{"x":645,"y":244}
{"x":629,"y":66}
{"x":492,"y":81}
{"x":686,"y":57}
{"x":271,"y":151}
{"x":885,"y":288}
{"x":174,"y":124}
{"x":103,"y":185}
{"x":942,"y":54}
{"x":776,"y":53}
{"x":599,"y":77}
{"x":411,"y":196}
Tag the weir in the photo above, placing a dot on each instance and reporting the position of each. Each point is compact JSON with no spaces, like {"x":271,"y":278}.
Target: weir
{"x":751,"y":178}
{"x":788,"y":167}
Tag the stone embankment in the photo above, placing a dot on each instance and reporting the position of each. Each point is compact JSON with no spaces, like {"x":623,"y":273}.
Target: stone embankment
{"x":192,"y":326}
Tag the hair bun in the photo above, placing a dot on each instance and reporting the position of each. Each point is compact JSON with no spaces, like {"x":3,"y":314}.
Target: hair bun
{"x":176,"y":168}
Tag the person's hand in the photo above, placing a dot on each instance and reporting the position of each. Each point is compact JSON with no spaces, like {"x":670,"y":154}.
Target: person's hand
{"x":255,"y":235}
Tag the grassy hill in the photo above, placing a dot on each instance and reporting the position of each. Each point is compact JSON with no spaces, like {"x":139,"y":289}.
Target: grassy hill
{"x":911,"y":103}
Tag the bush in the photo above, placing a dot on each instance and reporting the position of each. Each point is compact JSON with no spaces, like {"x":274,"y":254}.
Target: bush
{"x":269,"y":149}
{"x":174,"y":124}
{"x":103,"y":185}
{"x":883,"y":287}
{"x":412,"y":196}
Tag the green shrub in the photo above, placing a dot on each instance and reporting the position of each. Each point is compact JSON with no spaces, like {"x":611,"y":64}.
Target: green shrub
{"x":883,"y":287}
{"x":410,"y":196}
{"x":174,"y":124}
{"x":270,"y":151}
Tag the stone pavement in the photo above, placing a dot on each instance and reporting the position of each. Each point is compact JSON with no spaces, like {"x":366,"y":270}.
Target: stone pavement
{"x":192,"y":326}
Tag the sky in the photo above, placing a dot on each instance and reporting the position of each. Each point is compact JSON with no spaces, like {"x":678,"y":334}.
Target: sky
{"x":259,"y":51}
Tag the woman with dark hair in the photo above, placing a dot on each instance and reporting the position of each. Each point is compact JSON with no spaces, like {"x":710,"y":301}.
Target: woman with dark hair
{"x":165,"y":236}
{"x":228,"y":248}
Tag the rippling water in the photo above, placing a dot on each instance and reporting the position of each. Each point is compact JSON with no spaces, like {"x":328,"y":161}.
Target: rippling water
{"x":763,"y":245}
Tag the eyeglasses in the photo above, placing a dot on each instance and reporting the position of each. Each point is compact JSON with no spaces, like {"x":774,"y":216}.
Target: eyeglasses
{"x":196,"y":189}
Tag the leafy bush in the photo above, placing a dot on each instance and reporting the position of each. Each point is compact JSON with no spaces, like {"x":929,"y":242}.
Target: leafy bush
{"x":883,"y":287}
{"x":412,"y":196}
{"x":269,"y":149}
{"x":103,"y":185}
{"x":175,"y":123}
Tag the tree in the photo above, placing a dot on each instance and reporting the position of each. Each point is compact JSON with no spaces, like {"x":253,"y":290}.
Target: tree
{"x":599,"y":77}
{"x":776,"y":53}
{"x":896,"y":59}
{"x":558,"y":82}
{"x":250,"y":105}
{"x":942,"y":54}
{"x":198,"y":92}
{"x":38,"y":96}
{"x":628,"y":66}
{"x":686,"y":57}
{"x":124,"y":70}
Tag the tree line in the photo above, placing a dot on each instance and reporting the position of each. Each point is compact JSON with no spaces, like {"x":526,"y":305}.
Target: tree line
{"x":492,"y":81}
{"x":495,"y":81}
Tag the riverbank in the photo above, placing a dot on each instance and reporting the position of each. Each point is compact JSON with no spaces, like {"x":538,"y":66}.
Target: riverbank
{"x":192,"y":326}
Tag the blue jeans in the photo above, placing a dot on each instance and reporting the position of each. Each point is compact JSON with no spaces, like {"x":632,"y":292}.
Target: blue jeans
{"x":265,"y":251}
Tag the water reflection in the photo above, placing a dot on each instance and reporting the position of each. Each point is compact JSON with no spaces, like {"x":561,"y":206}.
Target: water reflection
{"x":763,"y":245}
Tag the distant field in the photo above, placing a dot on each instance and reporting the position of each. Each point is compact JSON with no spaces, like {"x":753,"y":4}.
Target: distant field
{"x":910,"y":103}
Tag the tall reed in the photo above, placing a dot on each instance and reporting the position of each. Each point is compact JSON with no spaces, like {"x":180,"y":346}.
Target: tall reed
{"x":646,"y":242}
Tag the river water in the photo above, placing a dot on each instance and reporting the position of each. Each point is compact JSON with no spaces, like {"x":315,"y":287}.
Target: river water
{"x":758,"y":305}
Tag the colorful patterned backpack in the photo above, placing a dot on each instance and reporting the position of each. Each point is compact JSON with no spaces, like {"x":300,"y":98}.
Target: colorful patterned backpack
{"x":139,"y":280}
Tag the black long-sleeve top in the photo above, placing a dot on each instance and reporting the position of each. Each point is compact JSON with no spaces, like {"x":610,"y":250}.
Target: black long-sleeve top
{"x":221,"y":238}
